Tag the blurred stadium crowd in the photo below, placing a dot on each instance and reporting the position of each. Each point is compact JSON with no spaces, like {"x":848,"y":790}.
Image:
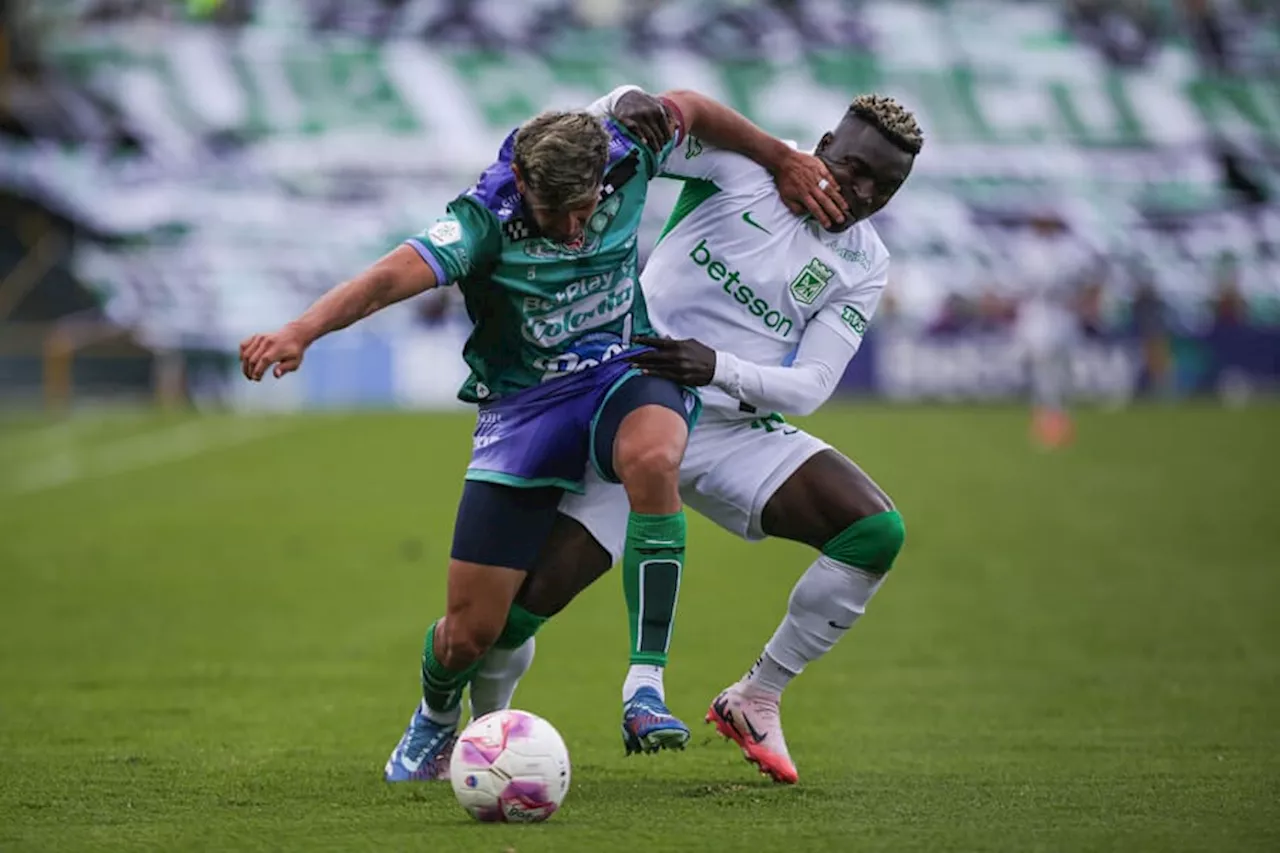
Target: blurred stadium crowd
{"x":194,"y":170}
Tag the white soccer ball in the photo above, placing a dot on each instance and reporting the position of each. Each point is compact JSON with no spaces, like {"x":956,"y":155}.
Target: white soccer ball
{"x":510,"y":766}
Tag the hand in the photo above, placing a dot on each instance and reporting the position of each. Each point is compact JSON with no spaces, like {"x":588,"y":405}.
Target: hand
{"x":284,"y":349}
{"x":687,"y":362}
{"x":798,"y":180}
{"x":646,"y":117}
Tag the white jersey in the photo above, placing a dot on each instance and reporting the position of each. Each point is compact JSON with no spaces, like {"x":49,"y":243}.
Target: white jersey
{"x":786,"y":272}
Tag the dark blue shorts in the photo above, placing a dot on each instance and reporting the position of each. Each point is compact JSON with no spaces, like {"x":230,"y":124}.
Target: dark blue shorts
{"x":529,"y":447}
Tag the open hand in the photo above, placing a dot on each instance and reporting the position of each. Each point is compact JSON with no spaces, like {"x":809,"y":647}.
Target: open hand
{"x":800,"y":181}
{"x":687,"y":362}
{"x":646,"y":117}
{"x":283,"y":348}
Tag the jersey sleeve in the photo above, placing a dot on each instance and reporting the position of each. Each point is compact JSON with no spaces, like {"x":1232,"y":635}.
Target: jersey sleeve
{"x":603,"y":107}
{"x":693,"y":158}
{"x":795,"y":389}
{"x":465,"y":239}
{"x":849,"y":313}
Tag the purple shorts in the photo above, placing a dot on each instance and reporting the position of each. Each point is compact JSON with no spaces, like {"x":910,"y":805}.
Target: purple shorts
{"x":541,"y":436}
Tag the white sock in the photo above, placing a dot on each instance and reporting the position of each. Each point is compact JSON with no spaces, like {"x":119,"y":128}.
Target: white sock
{"x":495,"y":682}
{"x":824,"y":604}
{"x":769,"y":676}
{"x":642,"y":675}
{"x":443,"y":718}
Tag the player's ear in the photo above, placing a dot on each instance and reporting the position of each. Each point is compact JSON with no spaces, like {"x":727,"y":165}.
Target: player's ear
{"x":824,"y":142}
{"x":520,"y":184}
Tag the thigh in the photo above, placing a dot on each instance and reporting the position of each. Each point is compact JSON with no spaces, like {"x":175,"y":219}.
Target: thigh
{"x":601,"y":510}
{"x":733,"y":467}
{"x":628,"y":395}
{"x":503,"y":526}
{"x":821,"y":498}
{"x":571,"y":561}
{"x":480,"y":595}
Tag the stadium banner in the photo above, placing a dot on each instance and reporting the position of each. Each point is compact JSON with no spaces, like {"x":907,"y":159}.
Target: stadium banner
{"x":269,"y":161}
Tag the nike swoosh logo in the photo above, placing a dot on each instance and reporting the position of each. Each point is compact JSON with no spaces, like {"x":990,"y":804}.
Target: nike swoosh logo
{"x":839,"y":627}
{"x":746,"y":217}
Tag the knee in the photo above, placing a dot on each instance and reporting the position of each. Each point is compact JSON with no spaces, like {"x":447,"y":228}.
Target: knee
{"x":652,"y":458}
{"x":871,"y":543}
{"x":467,"y":636}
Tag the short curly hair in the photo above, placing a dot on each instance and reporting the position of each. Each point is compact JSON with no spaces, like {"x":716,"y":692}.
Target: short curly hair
{"x":561,"y":156}
{"x":895,"y":121}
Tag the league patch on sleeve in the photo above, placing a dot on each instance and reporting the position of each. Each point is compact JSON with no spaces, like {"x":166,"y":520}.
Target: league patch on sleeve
{"x":445,"y":232}
{"x":854,"y":320}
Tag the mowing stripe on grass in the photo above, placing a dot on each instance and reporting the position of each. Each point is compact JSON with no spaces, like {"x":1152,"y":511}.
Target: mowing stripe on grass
{"x":184,"y":441}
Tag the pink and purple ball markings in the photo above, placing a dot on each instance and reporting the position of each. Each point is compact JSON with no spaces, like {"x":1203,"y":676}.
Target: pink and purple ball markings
{"x":483,"y":752}
{"x":530,"y":796}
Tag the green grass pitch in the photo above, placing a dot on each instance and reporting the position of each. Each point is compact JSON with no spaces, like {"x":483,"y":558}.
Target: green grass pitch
{"x":210,"y":630}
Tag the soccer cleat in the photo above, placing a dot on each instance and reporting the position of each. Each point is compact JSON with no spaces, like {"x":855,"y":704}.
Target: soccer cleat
{"x":423,"y":752}
{"x":749,"y":718}
{"x":647,"y":725}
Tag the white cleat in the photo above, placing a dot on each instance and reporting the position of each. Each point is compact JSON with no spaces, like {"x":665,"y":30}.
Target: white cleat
{"x":749,"y":717}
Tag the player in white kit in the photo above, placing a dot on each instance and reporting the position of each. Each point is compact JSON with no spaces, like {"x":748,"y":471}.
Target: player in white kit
{"x":739,"y":284}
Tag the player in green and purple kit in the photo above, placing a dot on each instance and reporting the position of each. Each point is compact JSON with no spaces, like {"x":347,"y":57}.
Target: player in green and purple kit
{"x":543,"y":248}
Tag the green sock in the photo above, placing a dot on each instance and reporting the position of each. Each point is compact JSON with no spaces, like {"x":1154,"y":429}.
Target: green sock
{"x":442,"y":687}
{"x":521,"y":625}
{"x":651,"y":567}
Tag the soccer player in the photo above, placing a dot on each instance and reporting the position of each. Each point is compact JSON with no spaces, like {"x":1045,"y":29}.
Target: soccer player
{"x":543,"y":248}
{"x":739,"y":283}
{"x":1049,"y":270}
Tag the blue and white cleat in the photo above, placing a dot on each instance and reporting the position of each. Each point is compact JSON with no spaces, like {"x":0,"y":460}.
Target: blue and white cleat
{"x":423,"y":753}
{"x":647,"y":725}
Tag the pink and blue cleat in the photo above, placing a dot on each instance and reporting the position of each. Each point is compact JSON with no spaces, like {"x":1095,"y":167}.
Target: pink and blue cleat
{"x":647,"y":725}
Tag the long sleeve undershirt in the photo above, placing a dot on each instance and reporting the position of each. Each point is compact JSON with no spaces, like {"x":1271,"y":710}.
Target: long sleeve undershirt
{"x":799,"y":389}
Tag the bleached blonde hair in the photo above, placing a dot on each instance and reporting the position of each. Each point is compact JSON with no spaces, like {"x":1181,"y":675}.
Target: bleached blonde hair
{"x":894,"y":120}
{"x":562,"y":156}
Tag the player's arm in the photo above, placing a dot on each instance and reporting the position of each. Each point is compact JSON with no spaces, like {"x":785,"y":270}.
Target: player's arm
{"x":798,"y":389}
{"x":664,"y":121}
{"x":799,"y":176}
{"x":396,"y":276}
{"x":447,"y":251}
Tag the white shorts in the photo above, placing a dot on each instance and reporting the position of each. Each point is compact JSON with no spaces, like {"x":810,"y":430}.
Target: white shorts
{"x":731,"y":469}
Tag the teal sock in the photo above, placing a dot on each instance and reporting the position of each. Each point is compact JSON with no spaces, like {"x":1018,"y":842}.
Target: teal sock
{"x":651,"y":566}
{"x":521,"y":625}
{"x":442,"y":687}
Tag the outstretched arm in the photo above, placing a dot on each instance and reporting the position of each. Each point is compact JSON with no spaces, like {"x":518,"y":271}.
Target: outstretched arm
{"x":799,"y":389}
{"x":397,"y":276}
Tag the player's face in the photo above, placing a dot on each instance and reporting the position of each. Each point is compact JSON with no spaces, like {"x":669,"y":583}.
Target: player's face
{"x":563,"y":224}
{"x":566,"y":225}
{"x":868,"y":168}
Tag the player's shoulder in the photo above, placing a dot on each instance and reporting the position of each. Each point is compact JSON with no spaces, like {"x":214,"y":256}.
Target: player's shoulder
{"x":495,"y":191}
{"x":731,"y":172}
{"x":626,"y":155}
{"x":862,"y":250}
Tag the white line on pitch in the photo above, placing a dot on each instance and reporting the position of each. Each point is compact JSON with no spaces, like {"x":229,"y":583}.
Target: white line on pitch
{"x":183,"y":441}
{"x":23,"y":441}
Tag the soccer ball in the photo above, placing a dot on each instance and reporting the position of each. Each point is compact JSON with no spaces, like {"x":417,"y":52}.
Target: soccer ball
{"x":510,"y":766}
